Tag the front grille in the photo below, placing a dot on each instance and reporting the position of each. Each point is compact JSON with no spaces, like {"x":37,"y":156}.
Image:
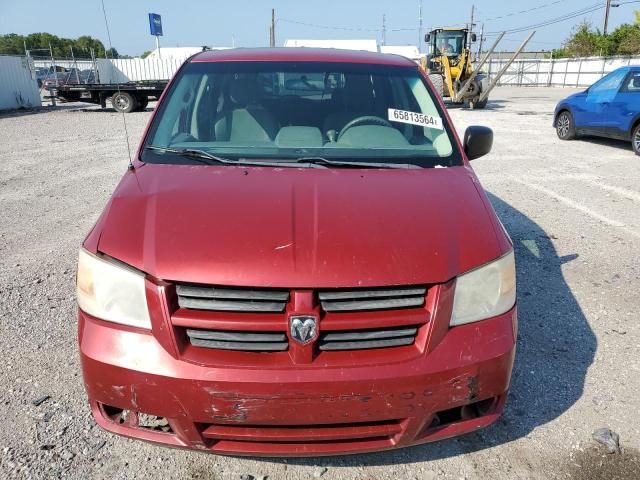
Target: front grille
{"x":242,"y":341}
{"x":371,"y":299}
{"x":367,"y":339}
{"x":229,"y":299}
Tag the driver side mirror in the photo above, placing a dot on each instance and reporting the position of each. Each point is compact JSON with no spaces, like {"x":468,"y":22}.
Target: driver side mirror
{"x":477,"y":141}
{"x":427,"y":37}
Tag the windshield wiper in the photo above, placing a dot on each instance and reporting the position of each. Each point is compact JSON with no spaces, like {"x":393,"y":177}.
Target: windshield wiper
{"x":210,"y":159}
{"x":347,"y":164}
{"x":201,"y":155}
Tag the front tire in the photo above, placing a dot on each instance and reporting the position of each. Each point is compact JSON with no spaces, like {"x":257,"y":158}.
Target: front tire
{"x":123,"y":102}
{"x":635,"y":139}
{"x":438,"y":83}
{"x":565,"y":128}
{"x":477,"y":104}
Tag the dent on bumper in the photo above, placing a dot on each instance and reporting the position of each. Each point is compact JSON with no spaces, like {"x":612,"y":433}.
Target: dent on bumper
{"x":306,"y":410}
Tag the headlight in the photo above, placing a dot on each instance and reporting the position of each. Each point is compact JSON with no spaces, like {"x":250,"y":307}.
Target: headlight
{"x":485,"y":292}
{"x":111,"y":291}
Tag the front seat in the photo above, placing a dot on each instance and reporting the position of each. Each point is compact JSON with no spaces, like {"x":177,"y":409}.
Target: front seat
{"x":245,"y":120}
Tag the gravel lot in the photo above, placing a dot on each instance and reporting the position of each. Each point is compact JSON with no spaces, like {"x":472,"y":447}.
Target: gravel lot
{"x":572,"y":210}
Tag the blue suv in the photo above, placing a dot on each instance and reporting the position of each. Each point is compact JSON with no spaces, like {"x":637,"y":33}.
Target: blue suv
{"x":608,"y":108}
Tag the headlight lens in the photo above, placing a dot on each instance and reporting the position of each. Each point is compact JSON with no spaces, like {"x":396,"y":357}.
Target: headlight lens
{"x":111,"y":292}
{"x":485,"y":292}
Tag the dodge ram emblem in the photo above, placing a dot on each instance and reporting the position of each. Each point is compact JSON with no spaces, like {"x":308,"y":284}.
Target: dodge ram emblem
{"x":303,"y":328}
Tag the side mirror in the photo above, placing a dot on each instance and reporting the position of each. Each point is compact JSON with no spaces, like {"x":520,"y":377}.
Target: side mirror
{"x":473,"y":37}
{"x":477,"y":141}
{"x":427,"y":37}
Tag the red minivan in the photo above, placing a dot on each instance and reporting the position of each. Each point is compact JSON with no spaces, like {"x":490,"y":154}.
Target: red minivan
{"x":299,"y":261}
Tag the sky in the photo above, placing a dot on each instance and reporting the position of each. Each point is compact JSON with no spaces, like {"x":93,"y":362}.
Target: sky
{"x":246,"y":23}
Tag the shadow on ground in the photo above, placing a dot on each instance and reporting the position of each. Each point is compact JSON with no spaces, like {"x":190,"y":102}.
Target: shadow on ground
{"x":608,"y":142}
{"x":491,"y":105}
{"x":556,"y":346}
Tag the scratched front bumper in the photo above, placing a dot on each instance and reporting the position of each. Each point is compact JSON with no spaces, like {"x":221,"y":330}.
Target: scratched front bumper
{"x":128,"y":369}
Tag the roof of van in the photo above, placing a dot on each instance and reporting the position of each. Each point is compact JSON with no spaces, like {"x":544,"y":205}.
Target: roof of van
{"x":301,"y":55}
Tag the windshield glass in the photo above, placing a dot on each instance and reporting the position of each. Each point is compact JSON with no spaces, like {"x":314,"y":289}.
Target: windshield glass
{"x":450,"y":43}
{"x":287,"y":111}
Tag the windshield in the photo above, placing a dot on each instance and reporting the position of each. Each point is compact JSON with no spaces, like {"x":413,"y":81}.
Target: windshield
{"x":450,"y":43}
{"x":288,"y":111}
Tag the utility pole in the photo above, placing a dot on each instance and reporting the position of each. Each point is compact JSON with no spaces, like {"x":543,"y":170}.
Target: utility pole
{"x":481,"y":41}
{"x":420,"y":39}
{"x":272,"y":32}
{"x":606,"y":16}
{"x":473,"y":8}
{"x":384,"y":29}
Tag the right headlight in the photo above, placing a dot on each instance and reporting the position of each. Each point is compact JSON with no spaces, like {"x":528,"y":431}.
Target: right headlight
{"x":112,"y":291}
{"x":485,"y":292}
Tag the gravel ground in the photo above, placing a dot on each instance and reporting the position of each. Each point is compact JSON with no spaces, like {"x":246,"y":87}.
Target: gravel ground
{"x":571,"y":209}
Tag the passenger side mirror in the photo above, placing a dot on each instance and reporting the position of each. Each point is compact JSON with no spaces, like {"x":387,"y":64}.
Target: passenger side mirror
{"x":477,"y":141}
{"x":473,"y":37}
{"x":427,"y":37}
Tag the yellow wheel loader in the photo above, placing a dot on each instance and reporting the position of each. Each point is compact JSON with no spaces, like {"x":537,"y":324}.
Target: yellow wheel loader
{"x":449,"y":66}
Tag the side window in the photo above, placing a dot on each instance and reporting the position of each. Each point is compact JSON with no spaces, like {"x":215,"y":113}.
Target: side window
{"x":632,"y":83}
{"x":609,"y":83}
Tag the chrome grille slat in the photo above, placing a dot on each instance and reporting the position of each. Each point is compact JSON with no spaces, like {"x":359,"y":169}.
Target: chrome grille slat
{"x":236,"y":336}
{"x":351,"y":294}
{"x":241,"y":341}
{"x":371,"y":299}
{"x":355,"y":305}
{"x":367,"y":339}
{"x":231,"y":293}
{"x":367,"y":344}
{"x":368,"y":335}
{"x":230,"y":305}
{"x":230,"y":299}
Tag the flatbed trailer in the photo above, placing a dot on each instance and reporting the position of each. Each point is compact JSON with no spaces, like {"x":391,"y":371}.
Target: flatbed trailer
{"x":125,"y":97}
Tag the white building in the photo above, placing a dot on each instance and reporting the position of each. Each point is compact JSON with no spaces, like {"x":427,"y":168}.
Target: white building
{"x":366,"y":45}
{"x":409,"y":51}
{"x":177,"y":53}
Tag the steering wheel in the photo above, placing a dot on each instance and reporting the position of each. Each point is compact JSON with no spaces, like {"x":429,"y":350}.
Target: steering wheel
{"x":364,"y":120}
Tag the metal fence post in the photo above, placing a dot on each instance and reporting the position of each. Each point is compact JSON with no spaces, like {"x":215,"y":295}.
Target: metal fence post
{"x":579,"y":70}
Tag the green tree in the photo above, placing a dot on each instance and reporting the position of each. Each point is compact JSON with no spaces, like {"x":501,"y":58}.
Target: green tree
{"x":39,"y":43}
{"x":112,"y":53}
{"x":585,"y":41}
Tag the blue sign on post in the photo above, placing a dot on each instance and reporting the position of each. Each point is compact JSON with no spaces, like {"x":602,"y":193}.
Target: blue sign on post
{"x":155,"y":24}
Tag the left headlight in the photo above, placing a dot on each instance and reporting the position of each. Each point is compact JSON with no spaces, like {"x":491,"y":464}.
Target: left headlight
{"x":111,"y":291}
{"x":485,"y":292}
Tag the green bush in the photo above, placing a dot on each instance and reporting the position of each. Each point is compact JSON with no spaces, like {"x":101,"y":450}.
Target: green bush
{"x":586,"y":41}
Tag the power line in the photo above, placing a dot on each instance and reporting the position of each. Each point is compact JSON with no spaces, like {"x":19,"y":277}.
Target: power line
{"x":532,"y":9}
{"x":568,"y":16}
{"x":552,"y":21}
{"x":329,"y":27}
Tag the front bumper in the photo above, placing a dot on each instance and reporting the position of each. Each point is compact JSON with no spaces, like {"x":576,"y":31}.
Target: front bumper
{"x":457,"y":387}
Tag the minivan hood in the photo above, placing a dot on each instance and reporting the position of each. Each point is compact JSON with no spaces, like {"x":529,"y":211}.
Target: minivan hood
{"x":299,"y":227}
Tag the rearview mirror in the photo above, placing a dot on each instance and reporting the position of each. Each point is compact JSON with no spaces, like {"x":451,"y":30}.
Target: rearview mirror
{"x":427,"y":37}
{"x":477,"y":141}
